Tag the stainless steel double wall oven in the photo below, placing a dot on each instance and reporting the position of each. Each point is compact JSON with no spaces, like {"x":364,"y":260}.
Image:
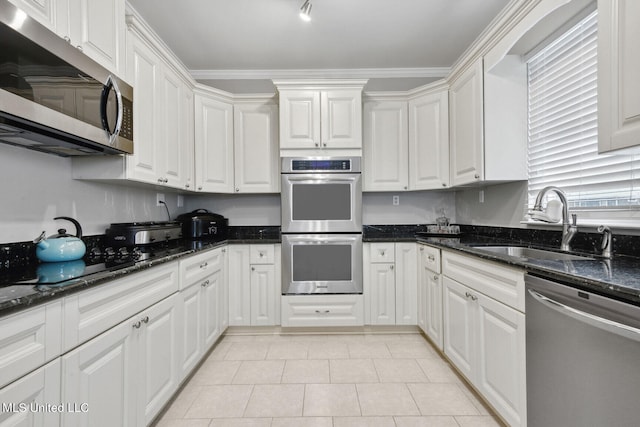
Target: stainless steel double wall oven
{"x":321,"y":225}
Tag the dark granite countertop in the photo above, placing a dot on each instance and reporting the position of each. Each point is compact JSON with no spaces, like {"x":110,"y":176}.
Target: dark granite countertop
{"x":22,"y":296}
{"x":618,"y":277}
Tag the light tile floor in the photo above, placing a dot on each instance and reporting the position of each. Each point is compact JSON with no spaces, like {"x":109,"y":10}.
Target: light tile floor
{"x":360,"y":380}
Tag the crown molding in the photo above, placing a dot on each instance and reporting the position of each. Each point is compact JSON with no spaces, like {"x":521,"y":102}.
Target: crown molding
{"x":355,"y":73}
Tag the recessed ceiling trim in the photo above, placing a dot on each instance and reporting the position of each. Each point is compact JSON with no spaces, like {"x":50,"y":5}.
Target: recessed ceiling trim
{"x":358,"y":73}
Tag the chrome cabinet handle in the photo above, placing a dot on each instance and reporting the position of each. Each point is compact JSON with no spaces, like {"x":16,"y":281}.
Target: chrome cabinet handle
{"x":477,"y":176}
{"x":137,"y":325}
{"x":382,"y":253}
{"x":205,"y":283}
{"x":237,"y":190}
{"x":431,"y":258}
{"x":204,"y":265}
{"x":435,"y":277}
{"x":470,"y":295}
{"x":145,"y":320}
{"x":67,"y":39}
{"x":391,"y":267}
{"x":591,"y":319}
{"x":322,"y":311}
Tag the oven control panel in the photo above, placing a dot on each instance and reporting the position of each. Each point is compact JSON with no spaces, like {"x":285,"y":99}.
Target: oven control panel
{"x":320,"y":164}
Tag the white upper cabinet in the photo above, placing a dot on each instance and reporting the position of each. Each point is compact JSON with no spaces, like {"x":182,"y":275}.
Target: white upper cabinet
{"x":385,"y":151}
{"x":618,"y":71}
{"x":320,"y":115}
{"x":95,"y":27}
{"x":98,"y":28}
{"x":256,"y":153}
{"x":213,"y":144}
{"x":429,"y":141}
{"x":467,"y":126}
{"x":406,"y":141}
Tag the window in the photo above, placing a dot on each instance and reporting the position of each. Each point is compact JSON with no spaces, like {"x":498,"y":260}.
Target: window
{"x":563,"y":127}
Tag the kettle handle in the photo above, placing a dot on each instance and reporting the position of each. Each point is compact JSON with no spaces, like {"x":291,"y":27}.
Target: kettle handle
{"x":75,"y":223}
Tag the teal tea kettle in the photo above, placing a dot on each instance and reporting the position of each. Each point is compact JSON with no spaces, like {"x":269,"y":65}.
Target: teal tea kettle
{"x":61,"y":246}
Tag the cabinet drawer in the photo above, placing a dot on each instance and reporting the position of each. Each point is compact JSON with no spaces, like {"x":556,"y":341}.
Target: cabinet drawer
{"x":502,"y":283}
{"x":382,"y":252}
{"x":195,"y":268}
{"x":92,"y":312}
{"x":29,"y":339}
{"x":430,"y":258}
{"x":322,"y":310}
{"x":261,"y":254}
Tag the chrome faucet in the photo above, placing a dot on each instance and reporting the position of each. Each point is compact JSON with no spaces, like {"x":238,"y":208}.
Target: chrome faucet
{"x":607,"y":241}
{"x":569,"y":230}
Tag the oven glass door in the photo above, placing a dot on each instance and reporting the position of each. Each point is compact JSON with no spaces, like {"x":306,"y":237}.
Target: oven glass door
{"x":321,"y":203}
{"x":322,"y":263}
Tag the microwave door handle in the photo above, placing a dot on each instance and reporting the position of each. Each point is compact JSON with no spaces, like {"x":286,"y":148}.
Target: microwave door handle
{"x":108,"y":86}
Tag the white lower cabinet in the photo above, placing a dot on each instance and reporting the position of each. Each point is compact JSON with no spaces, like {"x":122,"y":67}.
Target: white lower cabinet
{"x":24,"y":402}
{"x":430,"y":294}
{"x":322,"y":310}
{"x":254,"y":285}
{"x":485,"y":340}
{"x":126,"y":374}
{"x":390,"y":283}
{"x":202,"y":302}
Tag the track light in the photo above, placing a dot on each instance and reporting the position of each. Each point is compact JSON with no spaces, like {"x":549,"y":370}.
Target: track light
{"x":305,"y":11}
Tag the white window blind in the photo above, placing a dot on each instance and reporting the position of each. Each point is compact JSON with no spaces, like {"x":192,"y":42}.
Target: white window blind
{"x":563,"y":127}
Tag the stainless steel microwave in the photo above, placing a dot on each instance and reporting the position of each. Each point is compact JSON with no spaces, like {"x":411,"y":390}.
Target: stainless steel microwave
{"x":54,"y":98}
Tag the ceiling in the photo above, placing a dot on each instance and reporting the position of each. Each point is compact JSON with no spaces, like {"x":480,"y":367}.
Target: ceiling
{"x":240,"y":45}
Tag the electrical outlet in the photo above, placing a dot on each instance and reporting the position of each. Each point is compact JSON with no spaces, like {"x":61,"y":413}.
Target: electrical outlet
{"x":180,"y":202}
{"x":159,"y":199}
{"x":396,"y":200}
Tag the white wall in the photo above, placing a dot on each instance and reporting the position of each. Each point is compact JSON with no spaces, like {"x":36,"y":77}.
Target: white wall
{"x":37,"y":187}
{"x":503,"y":206}
{"x":421,"y":207}
{"x":240,"y":209}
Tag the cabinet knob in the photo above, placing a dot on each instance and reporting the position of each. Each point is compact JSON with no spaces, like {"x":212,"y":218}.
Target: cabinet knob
{"x":444,"y":184}
{"x":421,"y":249}
{"x":160,"y":180}
{"x":477,"y":176}
{"x":67,"y":39}
{"x":79,"y":47}
{"x":324,"y":145}
{"x":137,"y":325}
{"x":382,"y":253}
{"x":237,"y":190}
{"x":205,"y":283}
{"x":391,"y":267}
{"x":431,"y":258}
{"x":253,"y":269}
{"x":405,"y":187}
{"x":317,"y":145}
{"x":435,"y":277}
{"x":322,"y":311}
{"x":200,"y":187}
{"x":145,"y":319}
{"x":261,"y":254}
{"x":204,"y":265}
{"x":187,"y":185}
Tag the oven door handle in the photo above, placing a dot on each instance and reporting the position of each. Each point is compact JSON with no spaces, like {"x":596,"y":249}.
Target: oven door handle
{"x":321,"y":179}
{"x":591,"y":319}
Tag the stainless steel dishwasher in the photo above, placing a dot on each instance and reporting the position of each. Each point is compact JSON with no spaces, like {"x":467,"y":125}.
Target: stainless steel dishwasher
{"x":583,"y":358}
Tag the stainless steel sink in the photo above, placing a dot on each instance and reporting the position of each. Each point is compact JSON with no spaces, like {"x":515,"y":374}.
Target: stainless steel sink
{"x":531,"y":253}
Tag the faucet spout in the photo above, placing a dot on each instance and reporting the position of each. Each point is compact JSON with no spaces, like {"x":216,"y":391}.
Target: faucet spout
{"x":569,"y":229}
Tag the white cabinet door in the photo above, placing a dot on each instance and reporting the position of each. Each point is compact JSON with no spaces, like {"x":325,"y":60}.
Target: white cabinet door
{"x":239,"y":283}
{"x":29,"y":339}
{"x":190,"y":337}
{"x":257,"y":155}
{"x":406,"y":284}
{"x":213,"y":145}
{"x":43,"y":11}
{"x":429,"y":141}
{"x":102,"y":374}
{"x":618,"y":71}
{"x":458,"y":332}
{"x":341,"y":118}
{"x":264,"y":295}
{"x":385,"y":148}
{"x":157,"y":364}
{"x":175,"y":144}
{"x":299,"y":119}
{"x":501,"y":373}
{"x":433,"y":306}
{"x":466,"y":123}
{"x":382,"y":290}
{"x":144,"y":71}
{"x":98,"y":27}
{"x":39,"y":388}
{"x":212,"y":294}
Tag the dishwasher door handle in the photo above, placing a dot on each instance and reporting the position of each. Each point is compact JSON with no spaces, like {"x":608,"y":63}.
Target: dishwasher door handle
{"x":588,"y":318}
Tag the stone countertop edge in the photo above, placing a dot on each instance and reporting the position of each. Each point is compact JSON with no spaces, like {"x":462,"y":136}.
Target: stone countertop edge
{"x":21,"y":297}
{"x":617,"y":278}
